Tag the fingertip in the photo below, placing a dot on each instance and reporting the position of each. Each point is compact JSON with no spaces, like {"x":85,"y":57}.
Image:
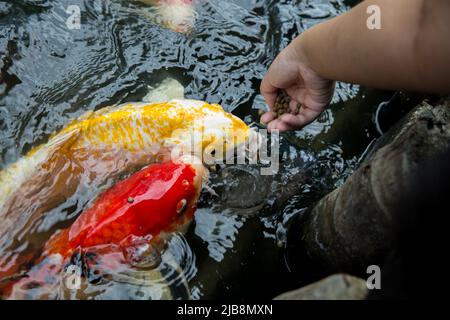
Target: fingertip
{"x":283,"y":126}
{"x":267,"y":117}
{"x":279,"y":125}
{"x":272,"y":125}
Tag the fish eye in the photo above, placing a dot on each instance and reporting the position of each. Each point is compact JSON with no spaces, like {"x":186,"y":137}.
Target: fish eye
{"x":181,"y":206}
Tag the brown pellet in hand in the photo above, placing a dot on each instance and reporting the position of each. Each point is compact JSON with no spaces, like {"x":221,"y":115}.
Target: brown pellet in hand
{"x":282,"y":104}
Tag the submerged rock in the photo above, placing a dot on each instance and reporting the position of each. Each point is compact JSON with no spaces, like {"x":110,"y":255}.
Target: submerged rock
{"x":335,"y":287}
{"x":351,"y":228}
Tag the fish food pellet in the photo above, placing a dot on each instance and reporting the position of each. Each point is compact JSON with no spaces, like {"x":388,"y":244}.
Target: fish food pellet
{"x":282,"y":104}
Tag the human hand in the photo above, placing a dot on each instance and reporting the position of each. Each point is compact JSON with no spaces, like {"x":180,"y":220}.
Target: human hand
{"x":290,"y":71}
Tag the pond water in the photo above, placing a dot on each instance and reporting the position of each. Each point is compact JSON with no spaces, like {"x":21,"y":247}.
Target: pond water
{"x":234,"y":249}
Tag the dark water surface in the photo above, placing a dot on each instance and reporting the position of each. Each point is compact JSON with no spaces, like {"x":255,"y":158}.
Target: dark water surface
{"x":51,"y":74}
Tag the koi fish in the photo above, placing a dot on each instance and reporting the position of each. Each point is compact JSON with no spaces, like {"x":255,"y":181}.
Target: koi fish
{"x":142,"y":209}
{"x":98,"y":147}
{"x":176,"y":15}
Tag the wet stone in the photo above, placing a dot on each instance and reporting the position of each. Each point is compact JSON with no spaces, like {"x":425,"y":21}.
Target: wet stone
{"x":5,"y":9}
{"x":335,"y":287}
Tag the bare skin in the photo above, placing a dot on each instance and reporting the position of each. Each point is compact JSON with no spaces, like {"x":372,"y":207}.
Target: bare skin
{"x":410,"y":52}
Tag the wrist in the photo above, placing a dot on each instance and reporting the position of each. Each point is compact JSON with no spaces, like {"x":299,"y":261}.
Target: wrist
{"x":317,"y":46}
{"x":298,"y":50}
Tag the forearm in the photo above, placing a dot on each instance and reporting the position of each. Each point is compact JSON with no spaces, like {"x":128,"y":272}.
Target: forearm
{"x":410,"y":51}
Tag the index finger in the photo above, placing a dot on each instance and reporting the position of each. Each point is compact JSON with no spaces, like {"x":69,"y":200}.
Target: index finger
{"x":269,"y":92}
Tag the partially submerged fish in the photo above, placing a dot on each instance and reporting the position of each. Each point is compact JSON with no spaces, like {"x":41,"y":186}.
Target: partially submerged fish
{"x":176,"y":15}
{"x":99,"y":146}
{"x":136,"y":213}
{"x":160,"y":197}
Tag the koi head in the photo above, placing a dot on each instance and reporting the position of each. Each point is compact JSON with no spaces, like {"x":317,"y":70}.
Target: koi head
{"x":191,"y":176}
{"x":209,"y":132}
{"x":176,"y":15}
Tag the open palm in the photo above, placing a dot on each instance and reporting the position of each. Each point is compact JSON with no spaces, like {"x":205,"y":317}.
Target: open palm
{"x":302,"y":84}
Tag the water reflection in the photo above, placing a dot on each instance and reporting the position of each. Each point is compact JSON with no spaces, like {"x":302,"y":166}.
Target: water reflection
{"x":51,"y":74}
{"x":218,"y":230}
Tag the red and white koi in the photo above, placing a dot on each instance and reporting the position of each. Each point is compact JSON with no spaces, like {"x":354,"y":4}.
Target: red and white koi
{"x":142,"y":209}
